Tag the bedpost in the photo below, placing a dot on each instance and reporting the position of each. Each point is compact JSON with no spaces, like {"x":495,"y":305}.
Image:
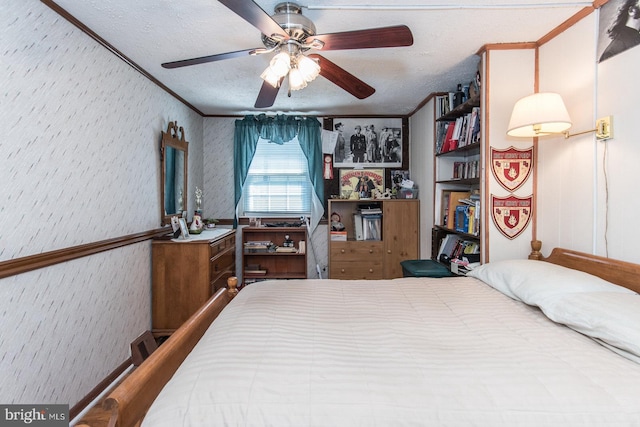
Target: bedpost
{"x":536,"y":245}
{"x":232,"y":283}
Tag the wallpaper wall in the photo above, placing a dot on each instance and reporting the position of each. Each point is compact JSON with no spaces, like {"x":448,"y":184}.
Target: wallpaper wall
{"x":80,"y":163}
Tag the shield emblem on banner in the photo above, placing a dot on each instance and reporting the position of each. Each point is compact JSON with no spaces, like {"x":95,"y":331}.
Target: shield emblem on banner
{"x":511,"y":167}
{"x":511,"y":214}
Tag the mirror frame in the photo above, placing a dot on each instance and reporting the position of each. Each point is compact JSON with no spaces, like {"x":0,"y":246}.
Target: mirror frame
{"x":173,"y":137}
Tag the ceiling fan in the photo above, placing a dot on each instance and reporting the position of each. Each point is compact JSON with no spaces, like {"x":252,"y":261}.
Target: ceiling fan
{"x":291,"y":34}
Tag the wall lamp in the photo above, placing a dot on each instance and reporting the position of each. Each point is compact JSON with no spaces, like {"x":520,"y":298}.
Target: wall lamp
{"x":544,"y":113}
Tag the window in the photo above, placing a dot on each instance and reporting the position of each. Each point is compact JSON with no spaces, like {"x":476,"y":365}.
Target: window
{"x":278,"y":182}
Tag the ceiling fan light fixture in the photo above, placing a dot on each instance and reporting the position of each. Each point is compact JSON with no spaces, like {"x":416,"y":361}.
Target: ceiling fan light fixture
{"x":308,"y":67}
{"x":296,"y":79}
{"x":270,"y":77}
{"x":280,"y":64}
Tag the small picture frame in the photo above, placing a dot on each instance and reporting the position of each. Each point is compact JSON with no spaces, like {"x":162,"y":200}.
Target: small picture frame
{"x":184,"y":230}
{"x":397,"y":176}
{"x":175,"y":226}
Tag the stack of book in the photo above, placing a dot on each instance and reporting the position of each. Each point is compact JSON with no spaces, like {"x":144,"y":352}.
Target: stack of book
{"x":455,"y":247}
{"x":463,"y":131}
{"x":368,"y":222}
{"x":257,"y":246}
{"x":340,"y":236}
{"x":254,"y":269}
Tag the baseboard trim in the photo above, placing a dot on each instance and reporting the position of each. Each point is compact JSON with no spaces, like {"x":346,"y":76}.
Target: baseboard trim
{"x":104,"y":385}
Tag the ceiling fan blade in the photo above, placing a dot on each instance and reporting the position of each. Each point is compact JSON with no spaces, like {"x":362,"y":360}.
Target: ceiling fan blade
{"x":209,"y":58}
{"x":399,"y":35}
{"x":256,"y":16}
{"x":342,"y":78}
{"x":267,"y":95}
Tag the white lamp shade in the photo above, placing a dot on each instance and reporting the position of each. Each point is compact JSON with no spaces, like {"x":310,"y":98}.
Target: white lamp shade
{"x":270,"y":77}
{"x":280,"y":64}
{"x":296,"y":80}
{"x":539,"y":114}
{"x":308,"y":67}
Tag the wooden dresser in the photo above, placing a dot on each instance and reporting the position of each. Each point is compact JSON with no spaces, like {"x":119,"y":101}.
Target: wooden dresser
{"x":399,"y":240}
{"x":187,"y":273}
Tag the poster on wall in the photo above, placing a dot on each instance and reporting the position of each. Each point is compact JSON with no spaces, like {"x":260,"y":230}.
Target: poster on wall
{"x":368,"y":142}
{"x":511,"y":167}
{"x":619,"y":25}
{"x":511,"y":214}
{"x":361,"y":183}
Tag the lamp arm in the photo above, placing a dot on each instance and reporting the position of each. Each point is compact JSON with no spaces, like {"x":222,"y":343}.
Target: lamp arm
{"x":568,"y":135}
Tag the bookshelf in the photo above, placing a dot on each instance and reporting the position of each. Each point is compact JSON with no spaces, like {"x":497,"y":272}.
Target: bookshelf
{"x":458,"y":166}
{"x":267,"y":253}
{"x":393,"y":237}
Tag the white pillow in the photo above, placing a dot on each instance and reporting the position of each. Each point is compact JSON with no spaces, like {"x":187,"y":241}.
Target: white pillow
{"x":610,"y":317}
{"x":534,"y":282}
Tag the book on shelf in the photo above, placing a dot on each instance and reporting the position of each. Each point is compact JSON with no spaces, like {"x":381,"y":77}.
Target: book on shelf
{"x":338,"y":236}
{"x":285,"y":249}
{"x":357,"y":226}
{"x":371,"y":227}
{"x":254,"y":269}
{"x":448,"y":138}
{"x":451,"y":199}
{"x":466,"y":170}
{"x":454,"y":247}
{"x":257,"y":246}
{"x":369,"y":209}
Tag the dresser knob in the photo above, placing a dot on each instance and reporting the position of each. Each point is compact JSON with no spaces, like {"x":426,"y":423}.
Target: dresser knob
{"x":371,"y":270}
{"x":342,"y":270}
{"x":370,"y":251}
{"x":341,"y":251}
{"x":388,"y":251}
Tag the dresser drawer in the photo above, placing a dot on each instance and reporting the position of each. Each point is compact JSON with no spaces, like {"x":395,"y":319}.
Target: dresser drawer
{"x":222,"y":245}
{"x":369,"y":269}
{"x":356,"y":251}
{"x":222,"y":262}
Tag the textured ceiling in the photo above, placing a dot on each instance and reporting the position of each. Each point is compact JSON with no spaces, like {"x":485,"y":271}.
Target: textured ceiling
{"x":446,"y":39}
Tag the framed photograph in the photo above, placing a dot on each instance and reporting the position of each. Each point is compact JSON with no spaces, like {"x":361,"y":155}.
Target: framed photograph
{"x":175,"y":226}
{"x":184,"y":230}
{"x":397,"y":176}
{"x":369,"y":142}
{"x":618,"y":22}
{"x":361,"y":182}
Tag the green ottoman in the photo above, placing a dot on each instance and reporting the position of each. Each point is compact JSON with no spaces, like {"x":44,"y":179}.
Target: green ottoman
{"x":424,"y":268}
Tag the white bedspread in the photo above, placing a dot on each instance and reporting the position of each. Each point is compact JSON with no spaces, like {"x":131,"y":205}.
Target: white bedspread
{"x":406,"y":352}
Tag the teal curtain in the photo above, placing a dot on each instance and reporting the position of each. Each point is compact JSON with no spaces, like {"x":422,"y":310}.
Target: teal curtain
{"x":278,"y":129}
{"x":310,"y":138}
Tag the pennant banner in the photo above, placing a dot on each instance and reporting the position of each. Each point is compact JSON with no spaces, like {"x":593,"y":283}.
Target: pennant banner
{"x":511,"y":214}
{"x":511,"y":167}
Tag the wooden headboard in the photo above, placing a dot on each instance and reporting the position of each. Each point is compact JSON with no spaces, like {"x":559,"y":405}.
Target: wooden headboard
{"x":619,"y":272}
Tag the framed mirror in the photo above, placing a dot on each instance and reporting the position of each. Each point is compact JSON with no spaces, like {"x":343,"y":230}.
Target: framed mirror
{"x":173,"y":157}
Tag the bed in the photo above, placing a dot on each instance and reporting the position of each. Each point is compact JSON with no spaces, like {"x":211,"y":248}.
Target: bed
{"x":522,"y":343}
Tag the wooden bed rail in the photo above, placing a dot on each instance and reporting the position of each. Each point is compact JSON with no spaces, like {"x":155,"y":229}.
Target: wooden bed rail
{"x":129,"y":402}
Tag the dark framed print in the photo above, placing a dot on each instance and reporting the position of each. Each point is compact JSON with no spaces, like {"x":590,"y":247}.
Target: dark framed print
{"x":619,"y":21}
{"x":369,"y":142}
